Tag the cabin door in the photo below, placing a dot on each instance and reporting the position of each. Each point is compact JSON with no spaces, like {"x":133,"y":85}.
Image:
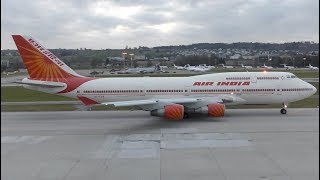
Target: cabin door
{"x":253,"y":77}
{"x":187,"y":90}
{"x":142,"y":91}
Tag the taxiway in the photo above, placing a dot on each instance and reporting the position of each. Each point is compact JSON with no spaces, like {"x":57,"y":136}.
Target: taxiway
{"x":245,"y":144}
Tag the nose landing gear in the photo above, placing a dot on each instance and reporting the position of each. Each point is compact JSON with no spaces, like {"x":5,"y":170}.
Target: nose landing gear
{"x":284,"y":109}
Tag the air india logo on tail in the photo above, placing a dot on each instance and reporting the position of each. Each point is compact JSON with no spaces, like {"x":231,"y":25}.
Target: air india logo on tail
{"x":46,"y":52}
{"x":39,"y":67}
{"x":45,"y":66}
{"x":41,"y":63}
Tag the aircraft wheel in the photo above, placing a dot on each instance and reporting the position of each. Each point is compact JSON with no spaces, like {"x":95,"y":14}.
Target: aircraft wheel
{"x":283,"y":111}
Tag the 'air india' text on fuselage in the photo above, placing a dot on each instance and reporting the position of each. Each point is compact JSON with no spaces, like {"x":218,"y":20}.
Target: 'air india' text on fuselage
{"x":233,"y":83}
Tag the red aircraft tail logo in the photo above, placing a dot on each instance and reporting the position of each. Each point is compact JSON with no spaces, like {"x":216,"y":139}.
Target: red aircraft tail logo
{"x":42,"y":65}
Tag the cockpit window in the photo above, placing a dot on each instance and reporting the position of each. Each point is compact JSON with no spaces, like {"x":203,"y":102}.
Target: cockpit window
{"x":291,"y":76}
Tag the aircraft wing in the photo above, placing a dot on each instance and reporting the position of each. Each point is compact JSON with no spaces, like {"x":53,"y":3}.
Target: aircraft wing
{"x":130,"y":103}
{"x":151,"y":101}
{"x":152,"y":104}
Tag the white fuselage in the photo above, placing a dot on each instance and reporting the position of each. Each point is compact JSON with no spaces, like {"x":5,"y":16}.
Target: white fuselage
{"x":266,"y":67}
{"x":179,"y":67}
{"x":227,"y":67}
{"x":246,"y":67}
{"x":312,"y":67}
{"x":289,"y":67}
{"x":243,"y":87}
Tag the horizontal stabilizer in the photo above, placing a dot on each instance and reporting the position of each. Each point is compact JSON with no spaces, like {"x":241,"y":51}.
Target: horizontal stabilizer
{"x":44,"y":84}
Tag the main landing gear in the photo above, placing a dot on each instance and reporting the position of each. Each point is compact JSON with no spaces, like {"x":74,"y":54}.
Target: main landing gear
{"x":284,"y":109}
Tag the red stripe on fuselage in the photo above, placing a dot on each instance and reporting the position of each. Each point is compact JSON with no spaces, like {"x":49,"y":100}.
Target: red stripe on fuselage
{"x":87,"y":101}
{"x":75,"y":82}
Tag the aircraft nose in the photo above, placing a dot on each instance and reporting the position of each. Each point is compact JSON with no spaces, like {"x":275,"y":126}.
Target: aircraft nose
{"x":314,"y":89}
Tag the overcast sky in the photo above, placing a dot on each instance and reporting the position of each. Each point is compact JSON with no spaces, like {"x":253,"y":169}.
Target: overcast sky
{"x":115,"y":24}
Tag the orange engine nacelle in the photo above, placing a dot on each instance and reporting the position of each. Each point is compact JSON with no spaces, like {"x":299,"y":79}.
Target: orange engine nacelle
{"x":174,"y":112}
{"x":214,"y":110}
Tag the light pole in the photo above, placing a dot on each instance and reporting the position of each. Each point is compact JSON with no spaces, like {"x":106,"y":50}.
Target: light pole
{"x":269,"y":59}
{"x":131,"y":58}
{"x":293,"y":61}
{"x":124,"y":59}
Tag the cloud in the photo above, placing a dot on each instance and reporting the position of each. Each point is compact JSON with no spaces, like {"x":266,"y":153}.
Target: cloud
{"x":110,"y":9}
{"x":114,"y":24}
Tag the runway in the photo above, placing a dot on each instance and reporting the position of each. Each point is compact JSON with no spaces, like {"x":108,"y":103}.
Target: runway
{"x":246,"y":144}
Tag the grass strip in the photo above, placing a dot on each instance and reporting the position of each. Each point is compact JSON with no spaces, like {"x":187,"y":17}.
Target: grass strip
{"x":54,"y":107}
{"x":21,"y":94}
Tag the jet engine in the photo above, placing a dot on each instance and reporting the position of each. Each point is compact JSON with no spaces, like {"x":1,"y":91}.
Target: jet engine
{"x":214,"y":110}
{"x":174,"y":112}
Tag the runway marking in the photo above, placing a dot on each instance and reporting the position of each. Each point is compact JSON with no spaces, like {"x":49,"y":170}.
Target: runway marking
{"x":178,"y":130}
{"x":140,"y":145}
{"x":143,"y":137}
{"x":139,"y":153}
{"x":149,"y":145}
{"x":108,"y":148}
{"x":183,"y":144}
{"x":194,"y":136}
{"x":139,"y":149}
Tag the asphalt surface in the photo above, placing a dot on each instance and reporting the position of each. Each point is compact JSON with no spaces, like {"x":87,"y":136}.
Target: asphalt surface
{"x":246,"y":144}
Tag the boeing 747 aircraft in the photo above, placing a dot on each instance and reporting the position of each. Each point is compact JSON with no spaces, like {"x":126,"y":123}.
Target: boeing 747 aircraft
{"x":227,"y":67}
{"x":246,"y":67}
{"x":179,"y":67}
{"x":312,"y":67}
{"x":264,"y":67}
{"x":287,"y":67}
{"x":169,"y":97}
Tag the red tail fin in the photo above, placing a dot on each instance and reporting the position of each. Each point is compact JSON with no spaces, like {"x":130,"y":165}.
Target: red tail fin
{"x":41,"y":63}
{"x":45,"y":66}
